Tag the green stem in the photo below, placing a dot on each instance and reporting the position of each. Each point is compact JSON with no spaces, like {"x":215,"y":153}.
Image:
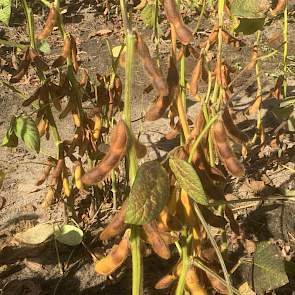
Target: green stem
{"x":200,"y":17}
{"x":185,"y":265}
{"x":137,"y":271}
{"x":215,"y":246}
{"x":199,"y":138}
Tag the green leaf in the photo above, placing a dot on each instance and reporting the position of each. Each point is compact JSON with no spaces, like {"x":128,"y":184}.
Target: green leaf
{"x":10,"y":139}
{"x":68,"y":234}
{"x":36,"y":235}
{"x":188,"y":180}
{"x":283,"y":113}
{"x":44,"y":47}
{"x":148,"y":15}
{"x":249,"y":26}
{"x":269,"y":270}
{"x":5,"y":11}
{"x":149,"y":193}
{"x":26,"y":129}
{"x":250,"y":8}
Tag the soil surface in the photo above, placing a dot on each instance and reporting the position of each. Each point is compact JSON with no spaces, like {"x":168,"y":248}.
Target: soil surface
{"x":36,"y":269}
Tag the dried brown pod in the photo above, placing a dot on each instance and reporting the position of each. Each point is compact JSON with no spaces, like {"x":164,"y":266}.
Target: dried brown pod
{"x":155,"y":239}
{"x":193,"y":282}
{"x":232,"y":129}
{"x":277,"y":90}
{"x":49,"y":198}
{"x":78,"y":172}
{"x":216,"y":284}
{"x":23,"y":68}
{"x":84,"y":77}
{"x":66,"y":52}
{"x":42,"y":126}
{"x":74,"y":52}
{"x":97,"y":127}
{"x":173,"y":15}
{"x":253,"y":59}
{"x":118,"y":146}
{"x":46,"y":172}
{"x":231,"y":40}
{"x":225,"y":151}
{"x":198,"y":125}
{"x":117,"y":224}
{"x":56,"y":172}
{"x":114,"y":259}
{"x":212,"y":37}
{"x":196,"y":75}
{"x":159,"y":106}
{"x":37,"y":60}
{"x":154,"y":73}
{"x":281,"y":4}
{"x":165,"y":282}
{"x":157,"y":109}
{"x":49,"y":24}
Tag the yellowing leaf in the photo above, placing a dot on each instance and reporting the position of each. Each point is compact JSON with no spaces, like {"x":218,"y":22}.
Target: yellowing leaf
{"x":26,"y":129}
{"x":36,"y":235}
{"x":250,"y":8}
{"x":149,"y":193}
{"x":68,"y":234}
{"x":188,"y":180}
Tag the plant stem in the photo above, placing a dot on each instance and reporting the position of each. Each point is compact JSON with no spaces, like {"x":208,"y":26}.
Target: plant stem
{"x":285,"y":48}
{"x":215,"y":246}
{"x":12,"y":44}
{"x":137,"y":271}
{"x":185,"y":265}
{"x":259,"y":91}
{"x":198,"y":263}
{"x":199,"y":138}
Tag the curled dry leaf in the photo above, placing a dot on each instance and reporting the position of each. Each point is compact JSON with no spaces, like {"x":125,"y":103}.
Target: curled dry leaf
{"x":114,"y":259}
{"x":23,"y":68}
{"x":173,"y":15}
{"x":232,"y":129}
{"x":225,"y":151}
{"x":49,"y":24}
{"x":140,"y":149}
{"x":116,"y":152}
{"x":154,"y":73}
{"x":196,"y":75}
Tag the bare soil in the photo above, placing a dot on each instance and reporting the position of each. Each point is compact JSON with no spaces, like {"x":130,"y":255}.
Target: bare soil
{"x":36,"y":269}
